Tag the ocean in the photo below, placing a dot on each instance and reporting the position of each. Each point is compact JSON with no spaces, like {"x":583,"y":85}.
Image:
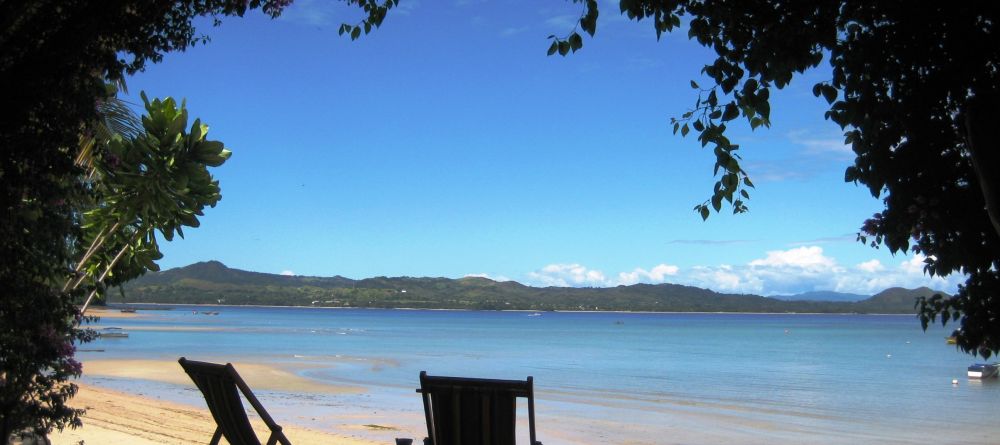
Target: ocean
{"x":631,"y":378}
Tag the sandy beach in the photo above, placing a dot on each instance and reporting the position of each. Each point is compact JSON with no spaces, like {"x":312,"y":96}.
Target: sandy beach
{"x":106,"y":312}
{"x":114,"y":417}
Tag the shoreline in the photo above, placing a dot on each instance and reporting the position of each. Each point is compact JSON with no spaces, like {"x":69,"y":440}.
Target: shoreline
{"x":111,"y":305}
{"x":149,"y":381}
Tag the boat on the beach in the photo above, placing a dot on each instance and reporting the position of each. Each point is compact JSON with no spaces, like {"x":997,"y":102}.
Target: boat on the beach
{"x":984,"y":370}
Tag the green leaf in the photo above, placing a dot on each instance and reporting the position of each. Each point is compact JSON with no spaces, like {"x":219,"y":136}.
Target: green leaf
{"x":733,"y":165}
{"x":575,"y":42}
{"x":829,"y":93}
{"x":698,"y":126}
{"x":553,"y":48}
{"x":694,"y":85}
{"x":732,"y":112}
{"x":684,"y":130}
{"x":717,"y":202}
{"x":704,"y":212}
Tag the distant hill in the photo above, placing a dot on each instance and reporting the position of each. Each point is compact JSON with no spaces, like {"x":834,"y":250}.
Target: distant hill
{"x":895,"y":298}
{"x":212,"y":282}
{"x":823,"y":296}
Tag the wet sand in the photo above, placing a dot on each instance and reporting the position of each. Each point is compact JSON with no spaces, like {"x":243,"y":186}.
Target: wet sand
{"x":258,"y":376}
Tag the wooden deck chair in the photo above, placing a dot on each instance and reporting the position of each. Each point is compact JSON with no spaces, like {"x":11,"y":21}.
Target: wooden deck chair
{"x":221,"y":386}
{"x":467,"y":411}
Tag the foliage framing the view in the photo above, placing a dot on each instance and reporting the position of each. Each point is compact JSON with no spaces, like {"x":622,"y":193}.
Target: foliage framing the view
{"x":915,"y":89}
{"x":56,"y":59}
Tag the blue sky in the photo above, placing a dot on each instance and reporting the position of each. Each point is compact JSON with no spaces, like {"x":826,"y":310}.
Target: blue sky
{"x":448,"y":144}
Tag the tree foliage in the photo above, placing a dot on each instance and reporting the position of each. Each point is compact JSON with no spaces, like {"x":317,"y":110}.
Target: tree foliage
{"x":157,"y":180}
{"x":915,"y":89}
{"x":56,"y":58}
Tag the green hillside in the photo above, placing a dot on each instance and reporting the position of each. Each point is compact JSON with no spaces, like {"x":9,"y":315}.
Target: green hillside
{"x":212,"y":282}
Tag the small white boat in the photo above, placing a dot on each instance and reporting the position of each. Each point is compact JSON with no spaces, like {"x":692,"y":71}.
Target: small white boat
{"x":112,"y":332}
{"x":535,"y":314}
{"x":984,"y":370}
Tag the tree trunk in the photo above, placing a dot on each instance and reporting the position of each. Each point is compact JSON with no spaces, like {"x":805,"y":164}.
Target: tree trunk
{"x":107,"y":270}
{"x":981,"y":120}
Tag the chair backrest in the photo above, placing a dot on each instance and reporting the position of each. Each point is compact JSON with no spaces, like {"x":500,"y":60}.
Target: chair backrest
{"x":468,"y":411}
{"x":221,"y":385}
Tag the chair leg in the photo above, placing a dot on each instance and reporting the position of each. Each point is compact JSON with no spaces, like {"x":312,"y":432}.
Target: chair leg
{"x":216,"y":437}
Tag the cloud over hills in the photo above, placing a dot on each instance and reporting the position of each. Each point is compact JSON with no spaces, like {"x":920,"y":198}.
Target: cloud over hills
{"x":778,"y":272}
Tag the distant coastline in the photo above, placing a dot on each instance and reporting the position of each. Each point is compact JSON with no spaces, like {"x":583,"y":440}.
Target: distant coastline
{"x":118,"y":305}
{"x":212,"y":283}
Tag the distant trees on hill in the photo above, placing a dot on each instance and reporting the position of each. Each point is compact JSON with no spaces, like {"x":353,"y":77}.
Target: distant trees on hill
{"x":213,"y":282}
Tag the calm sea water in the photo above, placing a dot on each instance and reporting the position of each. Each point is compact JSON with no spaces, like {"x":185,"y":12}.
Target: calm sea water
{"x":719,"y":377}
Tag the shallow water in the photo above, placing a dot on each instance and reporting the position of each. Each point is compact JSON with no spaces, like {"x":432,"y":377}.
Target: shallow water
{"x":705,"y":378}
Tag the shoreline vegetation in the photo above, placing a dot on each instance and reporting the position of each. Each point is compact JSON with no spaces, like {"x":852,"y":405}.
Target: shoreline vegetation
{"x":212,"y":283}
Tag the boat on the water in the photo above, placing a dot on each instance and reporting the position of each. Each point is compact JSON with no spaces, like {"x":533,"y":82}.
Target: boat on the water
{"x":984,"y":370}
{"x":112,"y":332}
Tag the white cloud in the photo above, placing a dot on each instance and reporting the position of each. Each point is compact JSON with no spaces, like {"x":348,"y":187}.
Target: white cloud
{"x":288,"y":273}
{"x":568,"y":275}
{"x":807,"y":268}
{"x":779,"y":272}
{"x":819,"y":145}
{"x":871,"y":266}
{"x":806,"y":257}
{"x":914,"y":265}
{"x":499,"y":278}
{"x":658,"y":274}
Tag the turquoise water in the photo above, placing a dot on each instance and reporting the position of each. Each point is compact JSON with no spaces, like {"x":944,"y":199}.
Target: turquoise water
{"x":706,"y":378}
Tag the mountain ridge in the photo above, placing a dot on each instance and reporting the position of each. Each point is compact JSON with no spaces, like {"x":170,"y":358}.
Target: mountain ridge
{"x":214,"y":282}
